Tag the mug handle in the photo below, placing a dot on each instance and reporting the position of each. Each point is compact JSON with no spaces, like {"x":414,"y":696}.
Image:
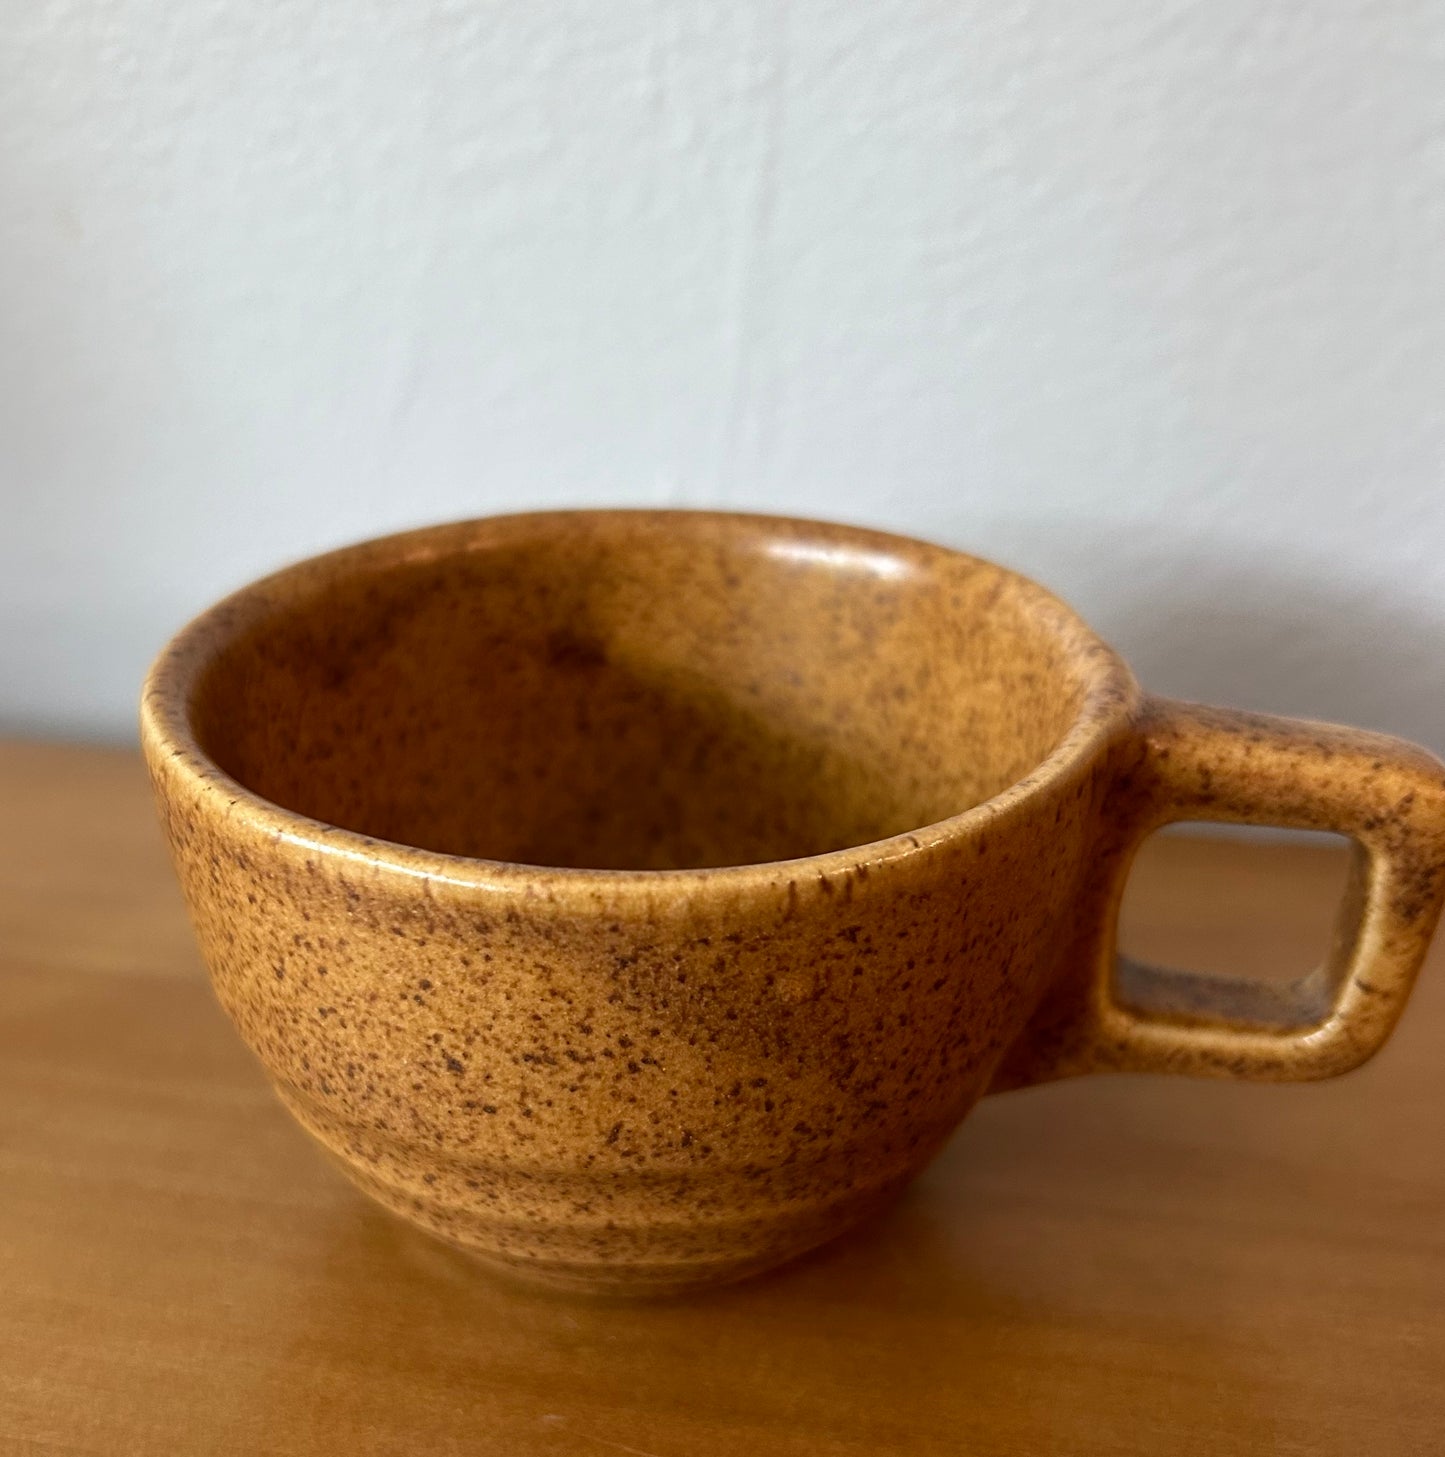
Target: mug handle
{"x":1198,"y":763}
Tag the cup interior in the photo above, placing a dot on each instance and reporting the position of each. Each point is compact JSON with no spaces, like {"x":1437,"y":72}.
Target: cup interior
{"x":638,"y":691}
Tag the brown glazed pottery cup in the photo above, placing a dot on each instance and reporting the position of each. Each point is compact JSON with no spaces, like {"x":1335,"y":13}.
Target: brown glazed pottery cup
{"x":638,"y":899}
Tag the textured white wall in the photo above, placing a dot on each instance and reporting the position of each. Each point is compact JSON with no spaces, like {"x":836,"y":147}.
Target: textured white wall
{"x":1148,"y":300}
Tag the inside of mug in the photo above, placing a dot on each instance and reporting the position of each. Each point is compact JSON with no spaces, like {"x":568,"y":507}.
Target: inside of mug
{"x":640,"y":692}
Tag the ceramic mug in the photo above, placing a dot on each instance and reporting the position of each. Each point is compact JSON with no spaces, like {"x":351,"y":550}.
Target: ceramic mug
{"x":638,"y":899}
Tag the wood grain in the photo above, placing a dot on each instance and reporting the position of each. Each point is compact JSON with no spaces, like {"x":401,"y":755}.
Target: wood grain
{"x":1110,"y":1266}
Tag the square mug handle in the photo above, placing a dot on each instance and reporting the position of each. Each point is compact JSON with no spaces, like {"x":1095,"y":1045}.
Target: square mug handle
{"x":1192,"y":762}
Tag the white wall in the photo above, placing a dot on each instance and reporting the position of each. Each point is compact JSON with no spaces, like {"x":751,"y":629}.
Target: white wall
{"x":1148,"y":300}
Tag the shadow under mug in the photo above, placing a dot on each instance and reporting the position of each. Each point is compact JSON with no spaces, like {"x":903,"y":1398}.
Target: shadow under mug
{"x":638,"y":899}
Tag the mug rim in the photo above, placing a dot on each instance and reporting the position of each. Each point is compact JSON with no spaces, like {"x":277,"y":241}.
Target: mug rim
{"x":167,"y":735}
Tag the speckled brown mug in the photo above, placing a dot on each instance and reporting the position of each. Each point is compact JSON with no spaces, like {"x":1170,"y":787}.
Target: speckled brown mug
{"x":637,"y":899}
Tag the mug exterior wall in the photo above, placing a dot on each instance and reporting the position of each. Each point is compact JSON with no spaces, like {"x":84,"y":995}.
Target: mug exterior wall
{"x":640,"y":1081}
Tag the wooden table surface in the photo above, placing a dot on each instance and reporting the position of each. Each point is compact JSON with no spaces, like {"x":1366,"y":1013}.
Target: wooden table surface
{"x":1104,"y":1266}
